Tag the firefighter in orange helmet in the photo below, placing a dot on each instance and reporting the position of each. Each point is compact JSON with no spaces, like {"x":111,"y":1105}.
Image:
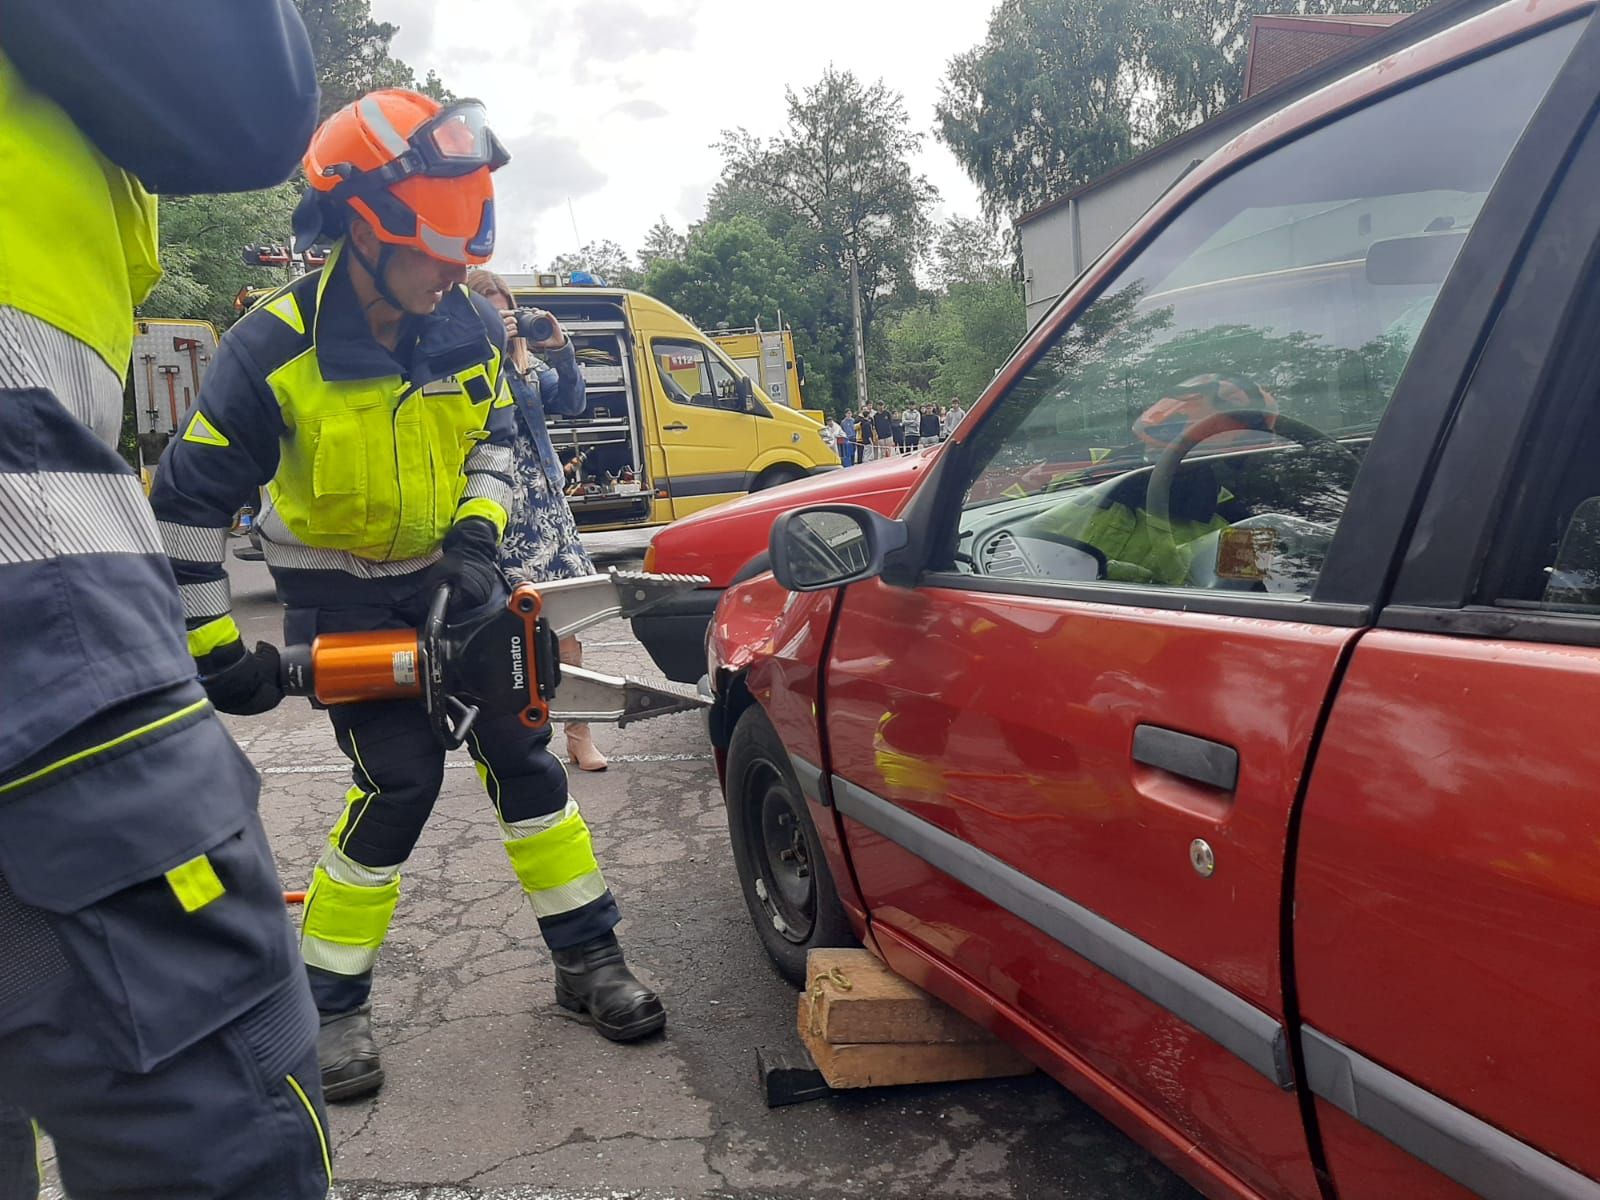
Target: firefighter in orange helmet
{"x":368,"y":403}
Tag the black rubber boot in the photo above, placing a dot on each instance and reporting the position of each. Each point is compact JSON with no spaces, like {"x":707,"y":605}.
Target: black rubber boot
{"x":347,"y":1055}
{"x":593,"y":979}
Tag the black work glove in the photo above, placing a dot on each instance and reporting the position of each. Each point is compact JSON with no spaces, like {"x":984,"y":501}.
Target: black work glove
{"x":469,"y":566}
{"x":245,"y":683}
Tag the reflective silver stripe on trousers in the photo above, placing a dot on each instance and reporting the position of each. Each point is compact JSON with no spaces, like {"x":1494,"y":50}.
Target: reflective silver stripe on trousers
{"x":310,"y":558}
{"x":490,"y":458}
{"x":214,"y":598}
{"x":192,"y":543}
{"x":35,"y":354}
{"x":56,"y":513}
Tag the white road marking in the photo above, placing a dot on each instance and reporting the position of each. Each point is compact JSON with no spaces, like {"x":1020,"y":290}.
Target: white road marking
{"x":337,"y":768}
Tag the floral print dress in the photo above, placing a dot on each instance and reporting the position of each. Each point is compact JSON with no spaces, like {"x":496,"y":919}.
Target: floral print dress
{"x":541,"y":542}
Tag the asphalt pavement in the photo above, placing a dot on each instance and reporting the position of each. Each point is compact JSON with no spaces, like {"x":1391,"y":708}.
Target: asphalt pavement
{"x":494,"y":1093}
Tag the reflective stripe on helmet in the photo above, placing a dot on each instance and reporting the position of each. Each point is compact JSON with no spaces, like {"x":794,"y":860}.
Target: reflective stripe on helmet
{"x":382,"y":128}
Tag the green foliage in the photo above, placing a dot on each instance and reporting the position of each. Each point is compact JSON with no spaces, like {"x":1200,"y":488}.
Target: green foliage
{"x":841,"y":169}
{"x":201,"y":241}
{"x":949,"y":345}
{"x":1061,"y":91}
{"x":604,"y":258}
{"x":663,"y":242}
{"x":202,"y":236}
{"x":734,"y":273}
{"x":352,"y":53}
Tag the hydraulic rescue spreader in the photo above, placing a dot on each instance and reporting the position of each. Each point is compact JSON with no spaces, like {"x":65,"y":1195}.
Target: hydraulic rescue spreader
{"x":503,"y":661}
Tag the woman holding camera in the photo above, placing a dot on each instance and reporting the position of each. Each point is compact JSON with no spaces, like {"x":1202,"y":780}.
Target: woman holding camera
{"x":541,"y":540}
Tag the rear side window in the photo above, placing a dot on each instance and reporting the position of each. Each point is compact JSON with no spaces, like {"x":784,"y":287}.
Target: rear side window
{"x":1200,"y":424}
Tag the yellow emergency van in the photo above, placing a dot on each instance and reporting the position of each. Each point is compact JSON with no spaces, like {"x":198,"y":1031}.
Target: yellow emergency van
{"x":672,"y":425}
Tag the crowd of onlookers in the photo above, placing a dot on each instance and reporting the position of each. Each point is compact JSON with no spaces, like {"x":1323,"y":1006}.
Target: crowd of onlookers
{"x":871,"y":434}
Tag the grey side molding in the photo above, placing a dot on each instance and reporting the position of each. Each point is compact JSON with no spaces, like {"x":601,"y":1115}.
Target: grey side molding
{"x":1478,"y":1156}
{"x":1238,"y":1026}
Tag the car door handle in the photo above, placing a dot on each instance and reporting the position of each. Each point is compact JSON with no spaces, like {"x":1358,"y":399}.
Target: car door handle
{"x":1182,"y":754}
{"x":675,"y":427}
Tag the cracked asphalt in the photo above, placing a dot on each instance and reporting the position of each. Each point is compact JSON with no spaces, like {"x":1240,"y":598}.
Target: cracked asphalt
{"x":494,"y":1093}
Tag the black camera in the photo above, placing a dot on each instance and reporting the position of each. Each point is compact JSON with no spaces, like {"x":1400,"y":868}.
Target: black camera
{"x":535,"y":326}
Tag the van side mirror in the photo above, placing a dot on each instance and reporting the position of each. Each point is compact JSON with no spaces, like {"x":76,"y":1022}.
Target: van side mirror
{"x":744,"y":394}
{"x":831,"y":545}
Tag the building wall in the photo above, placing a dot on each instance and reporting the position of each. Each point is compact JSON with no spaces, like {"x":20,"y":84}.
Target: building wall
{"x":1059,"y":244}
{"x":1060,"y":240}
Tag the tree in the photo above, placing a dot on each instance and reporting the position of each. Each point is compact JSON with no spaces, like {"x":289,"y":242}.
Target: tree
{"x":352,"y":53}
{"x":842,"y":166}
{"x":202,"y":238}
{"x":1061,"y":91}
{"x":605,"y":259}
{"x":735,"y":273}
{"x":662,"y":243}
{"x":968,"y":251}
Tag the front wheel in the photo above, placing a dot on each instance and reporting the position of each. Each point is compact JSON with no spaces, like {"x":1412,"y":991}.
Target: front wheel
{"x":774,"y":476}
{"x":783,"y":872}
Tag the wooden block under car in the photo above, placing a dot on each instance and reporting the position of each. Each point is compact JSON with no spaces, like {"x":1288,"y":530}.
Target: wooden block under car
{"x":914,"y":1038}
{"x":877,"y":1005}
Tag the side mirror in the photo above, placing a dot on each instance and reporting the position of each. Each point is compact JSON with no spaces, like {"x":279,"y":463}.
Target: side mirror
{"x":800,"y":370}
{"x":744,"y":394}
{"x":831,"y":545}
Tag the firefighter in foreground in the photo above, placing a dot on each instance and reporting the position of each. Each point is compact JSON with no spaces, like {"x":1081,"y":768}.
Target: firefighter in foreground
{"x":368,"y":401}
{"x":151,"y":1016}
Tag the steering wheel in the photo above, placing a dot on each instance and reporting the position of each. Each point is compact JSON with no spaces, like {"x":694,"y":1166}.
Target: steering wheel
{"x":1158,"y":493}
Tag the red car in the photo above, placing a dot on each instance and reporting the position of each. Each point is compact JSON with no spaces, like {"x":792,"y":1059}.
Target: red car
{"x":1246,"y":779}
{"x":728,"y":543}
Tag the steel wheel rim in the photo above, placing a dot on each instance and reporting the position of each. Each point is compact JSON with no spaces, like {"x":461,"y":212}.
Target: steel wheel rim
{"x":786,"y":885}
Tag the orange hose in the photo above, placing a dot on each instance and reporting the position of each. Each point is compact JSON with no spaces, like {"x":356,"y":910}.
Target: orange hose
{"x":294,"y":897}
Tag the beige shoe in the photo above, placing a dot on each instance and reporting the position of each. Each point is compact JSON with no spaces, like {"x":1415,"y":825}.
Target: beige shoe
{"x":581,"y":748}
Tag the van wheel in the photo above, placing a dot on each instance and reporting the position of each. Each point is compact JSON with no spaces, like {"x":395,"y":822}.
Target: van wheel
{"x":783,"y":872}
{"x":773,"y":476}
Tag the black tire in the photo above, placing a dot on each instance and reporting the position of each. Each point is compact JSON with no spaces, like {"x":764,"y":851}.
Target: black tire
{"x":773,"y":476}
{"x":783,"y":872}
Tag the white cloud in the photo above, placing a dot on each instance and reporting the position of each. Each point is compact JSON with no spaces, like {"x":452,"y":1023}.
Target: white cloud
{"x":545,"y":174}
{"x":615,"y":104}
{"x":617,"y":30}
{"x":641,"y":109}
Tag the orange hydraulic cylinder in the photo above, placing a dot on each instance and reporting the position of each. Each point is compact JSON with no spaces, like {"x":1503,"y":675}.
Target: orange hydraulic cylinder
{"x":383,"y":664}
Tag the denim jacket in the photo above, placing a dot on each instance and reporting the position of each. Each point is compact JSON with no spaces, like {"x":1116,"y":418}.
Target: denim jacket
{"x":557,"y":388}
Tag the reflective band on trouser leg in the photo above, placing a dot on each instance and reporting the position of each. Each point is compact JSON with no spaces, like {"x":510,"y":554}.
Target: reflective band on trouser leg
{"x":347,"y":913}
{"x":555,"y":862}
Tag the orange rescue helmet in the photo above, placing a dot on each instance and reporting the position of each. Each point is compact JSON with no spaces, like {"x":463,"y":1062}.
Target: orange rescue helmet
{"x":415,"y":170}
{"x":1199,"y":397}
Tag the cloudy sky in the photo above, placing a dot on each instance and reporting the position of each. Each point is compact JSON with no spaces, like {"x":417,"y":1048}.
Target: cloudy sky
{"x":610,"y":107}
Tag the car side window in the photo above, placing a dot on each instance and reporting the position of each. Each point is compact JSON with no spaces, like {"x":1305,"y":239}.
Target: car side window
{"x":1200,"y":424}
{"x":1549,"y":546}
{"x":691,"y":374}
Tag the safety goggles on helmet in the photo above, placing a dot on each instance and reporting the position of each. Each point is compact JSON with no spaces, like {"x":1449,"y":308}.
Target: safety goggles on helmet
{"x":455,"y":142}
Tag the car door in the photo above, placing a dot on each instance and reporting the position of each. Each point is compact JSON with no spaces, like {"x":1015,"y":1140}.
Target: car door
{"x":1067,"y":761}
{"x":708,"y":437}
{"x":1447,"y":909}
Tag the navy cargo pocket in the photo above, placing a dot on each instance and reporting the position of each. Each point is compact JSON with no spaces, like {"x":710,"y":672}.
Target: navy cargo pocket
{"x":161,"y":888}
